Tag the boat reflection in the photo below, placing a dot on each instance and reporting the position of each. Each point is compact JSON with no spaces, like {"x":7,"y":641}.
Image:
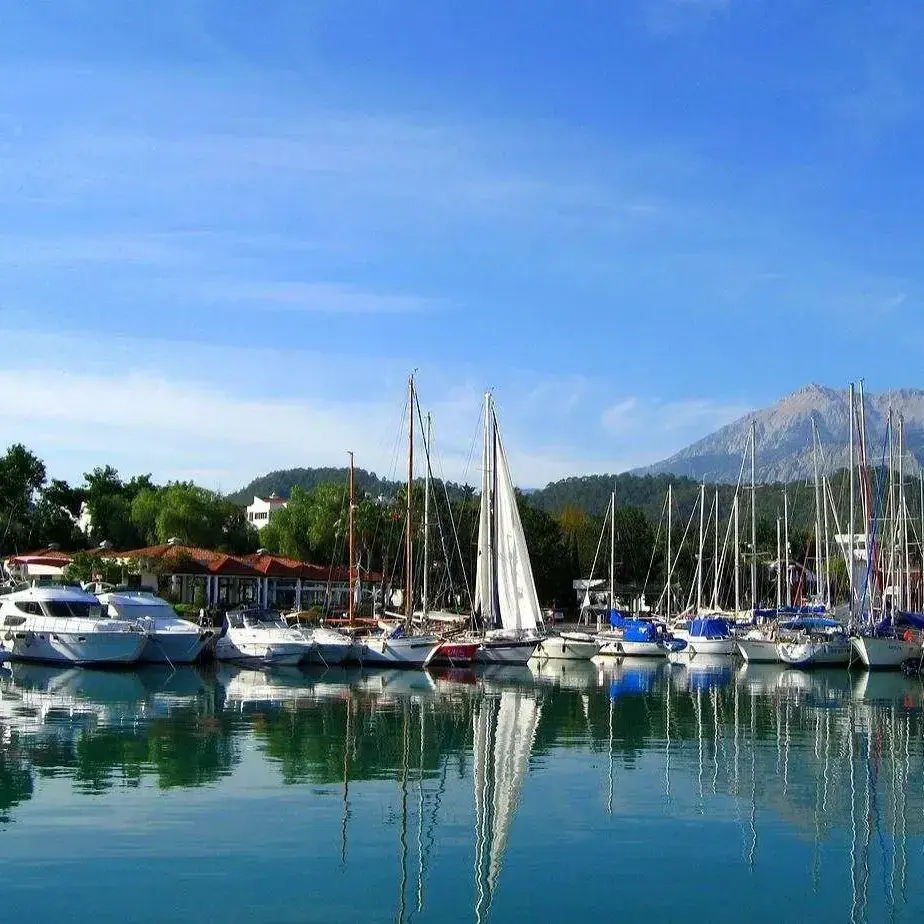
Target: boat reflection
{"x":834,"y":757}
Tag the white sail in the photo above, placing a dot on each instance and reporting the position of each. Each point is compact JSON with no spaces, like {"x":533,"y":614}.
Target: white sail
{"x":505,"y":729}
{"x":516,"y":589}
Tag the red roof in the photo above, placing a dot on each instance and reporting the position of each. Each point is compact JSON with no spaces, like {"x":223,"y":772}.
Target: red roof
{"x":52,"y":557}
{"x":191,"y":559}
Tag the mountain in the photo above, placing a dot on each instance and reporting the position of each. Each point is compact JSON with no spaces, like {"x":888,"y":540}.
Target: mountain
{"x":784,"y":437}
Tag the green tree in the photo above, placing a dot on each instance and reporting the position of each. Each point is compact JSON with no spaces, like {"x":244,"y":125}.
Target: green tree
{"x":22,"y":476}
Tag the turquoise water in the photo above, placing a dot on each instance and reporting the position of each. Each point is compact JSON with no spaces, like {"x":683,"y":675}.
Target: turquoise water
{"x":633,"y":791}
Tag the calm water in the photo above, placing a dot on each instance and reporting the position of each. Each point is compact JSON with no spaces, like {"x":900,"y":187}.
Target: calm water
{"x":640,"y":791}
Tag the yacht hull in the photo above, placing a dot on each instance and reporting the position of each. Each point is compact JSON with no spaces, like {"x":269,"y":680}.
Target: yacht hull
{"x":261,"y":653}
{"x":885,"y":653}
{"x":620,"y":648}
{"x":405,"y":651}
{"x":455,"y":654}
{"x":827,"y":652}
{"x":82,"y":648}
{"x":174,"y":647}
{"x":499,"y":651}
{"x":711,"y":646}
{"x":567,"y":648}
{"x":759,"y":651}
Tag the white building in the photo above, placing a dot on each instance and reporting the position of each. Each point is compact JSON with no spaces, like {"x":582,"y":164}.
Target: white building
{"x":262,"y":510}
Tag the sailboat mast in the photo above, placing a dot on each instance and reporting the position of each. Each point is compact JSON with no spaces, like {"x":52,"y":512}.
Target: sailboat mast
{"x":426,"y":536}
{"x":699,"y":565}
{"x":852,"y":539}
{"x":779,"y":563}
{"x":670,"y":561}
{"x":921,"y":538}
{"x":786,"y":545}
{"x":819,"y":561}
{"x":891,"y":518}
{"x":613,"y":551}
{"x":409,"y":535}
{"x":715,"y":561}
{"x":905,"y":602}
{"x":350,"y":578}
{"x":735,"y":508}
{"x":753,"y":514}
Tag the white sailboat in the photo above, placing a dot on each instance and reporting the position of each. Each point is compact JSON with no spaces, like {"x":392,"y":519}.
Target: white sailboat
{"x":506,"y":605}
{"x":394,"y":645}
{"x":504,"y":731}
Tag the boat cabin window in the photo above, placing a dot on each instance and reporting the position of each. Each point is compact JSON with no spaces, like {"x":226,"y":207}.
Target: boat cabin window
{"x":261,"y":619}
{"x":74,"y":609}
{"x":29,"y":606}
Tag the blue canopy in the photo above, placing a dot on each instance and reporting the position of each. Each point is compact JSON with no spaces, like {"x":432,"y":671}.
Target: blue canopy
{"x":916,"y":620}
{"x":639,"y":630}
{"x":616,"y":618}
{"x":709,"y":627}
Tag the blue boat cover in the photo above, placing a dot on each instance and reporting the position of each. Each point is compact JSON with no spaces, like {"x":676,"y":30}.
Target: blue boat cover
{"x":709,"y":627}
{"x":915,"y":620}
{"x":639,"y":630}
{"x":616,"y":618}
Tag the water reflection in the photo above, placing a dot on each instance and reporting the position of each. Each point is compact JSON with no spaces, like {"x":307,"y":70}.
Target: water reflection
{"x":830,"y":757}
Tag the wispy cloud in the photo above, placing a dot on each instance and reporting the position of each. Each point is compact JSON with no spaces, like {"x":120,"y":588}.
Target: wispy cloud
{"x":314,"y":297}
{"x":669,"y":420}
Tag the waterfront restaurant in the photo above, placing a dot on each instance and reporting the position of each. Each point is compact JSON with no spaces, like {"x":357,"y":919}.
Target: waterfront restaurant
{"x":216,"y":579}
{"x":207,"y":578}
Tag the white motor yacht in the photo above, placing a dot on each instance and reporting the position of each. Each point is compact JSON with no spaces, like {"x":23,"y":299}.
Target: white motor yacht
{"x":329,"y":646}
{"x":260,"y":637}
{"x":66,"y":625}
{"x":171,"y":639}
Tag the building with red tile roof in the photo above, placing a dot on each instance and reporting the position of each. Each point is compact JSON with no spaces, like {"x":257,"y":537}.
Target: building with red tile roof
{"x":192,"y":574}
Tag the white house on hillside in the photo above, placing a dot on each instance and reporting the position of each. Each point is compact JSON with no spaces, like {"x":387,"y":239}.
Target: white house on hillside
{"x":261,"y":511}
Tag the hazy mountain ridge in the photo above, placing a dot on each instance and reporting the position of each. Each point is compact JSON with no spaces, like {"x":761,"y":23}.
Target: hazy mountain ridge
{"x":784,"y":437}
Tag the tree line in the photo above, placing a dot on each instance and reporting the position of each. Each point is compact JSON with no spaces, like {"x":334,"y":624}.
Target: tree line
{"x":566,"y":530}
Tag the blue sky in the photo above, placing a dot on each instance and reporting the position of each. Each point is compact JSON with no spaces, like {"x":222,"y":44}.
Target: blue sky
{"x":230,"y":229}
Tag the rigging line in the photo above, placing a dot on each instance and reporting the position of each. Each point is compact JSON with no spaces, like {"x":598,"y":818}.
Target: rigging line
{"x":683,"y":539}
{"x":455,"y":533}
{"x":654,"y":548}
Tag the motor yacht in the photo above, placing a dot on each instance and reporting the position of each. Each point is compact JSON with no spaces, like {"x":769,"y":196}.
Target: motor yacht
{"x":66,"y":625}
{"x":171,"y":639}
{"x":260,"y":637}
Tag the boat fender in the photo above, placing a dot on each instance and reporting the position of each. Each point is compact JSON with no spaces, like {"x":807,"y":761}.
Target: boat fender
{"x":908,"y":636}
